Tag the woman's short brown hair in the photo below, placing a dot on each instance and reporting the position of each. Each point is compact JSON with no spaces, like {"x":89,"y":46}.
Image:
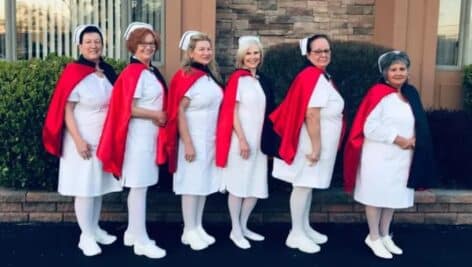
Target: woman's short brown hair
{"x":137,"y":37}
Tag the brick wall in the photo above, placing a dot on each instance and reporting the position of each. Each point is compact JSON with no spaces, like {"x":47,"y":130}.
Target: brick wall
{"x":278,"y":21}
{"x":329,"y":206}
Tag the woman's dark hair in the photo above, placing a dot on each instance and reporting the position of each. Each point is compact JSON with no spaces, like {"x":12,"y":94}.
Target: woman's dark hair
{"x":89,"y":29}
{"x":313,"y":38}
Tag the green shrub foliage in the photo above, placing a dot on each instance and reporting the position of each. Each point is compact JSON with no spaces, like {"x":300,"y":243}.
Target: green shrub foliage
{"x":468,"y":88}
{"x":25,"y":89}
{"x":451,"y":132}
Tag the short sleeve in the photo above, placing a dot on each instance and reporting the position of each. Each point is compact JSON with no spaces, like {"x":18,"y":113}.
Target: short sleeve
{"x":238,"y":96}
{"x":192,"y":92}
{"x":320,"y":96}
{"x":74,"y":95}
{"x":138,"y":92}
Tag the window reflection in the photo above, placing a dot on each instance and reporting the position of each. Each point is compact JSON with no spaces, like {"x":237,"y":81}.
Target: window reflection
{"x":448,"y":32}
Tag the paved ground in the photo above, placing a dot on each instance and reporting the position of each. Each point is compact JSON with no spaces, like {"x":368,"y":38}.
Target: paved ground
{"x":55,"y":245}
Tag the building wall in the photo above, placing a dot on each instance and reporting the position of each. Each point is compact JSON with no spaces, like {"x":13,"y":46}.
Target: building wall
{"x":277,"y":21}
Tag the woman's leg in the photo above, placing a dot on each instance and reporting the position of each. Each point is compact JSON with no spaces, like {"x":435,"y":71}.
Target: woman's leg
{"x":297,"y":237}
{"x":373,"y":240}
{"x":236,"y":235}
{"x":385,"y":222}
{"x":201,"y":231}
{"x":137,"y":214}
{"x":101,"y":235}
{"x":84,"y":212}
{"x":316,"y":236}
{"x":248,"y":205}
{"x":190,"y":210}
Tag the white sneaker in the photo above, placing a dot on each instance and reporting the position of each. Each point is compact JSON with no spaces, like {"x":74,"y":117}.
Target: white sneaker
{"x":241,"y":242}
{"x":378,"y":248}
{"x":149,"y":249}
{"x":302,"y":243}
{"x":205,"y":236}
{"x":193,"y":239}
{"x":89,"y":246}
{"x":104,"y":238}
{"x":391,"y":246}
{"x":253,"y":236}
{"x":316,"y":236}
{"x":128,"y":239}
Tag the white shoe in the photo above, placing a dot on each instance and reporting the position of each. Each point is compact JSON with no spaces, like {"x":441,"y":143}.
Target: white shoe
{"x":241,"y":242}
{"x":89,"y":246}
{"x":316,"y":236}
{"x":253,"y":236}
{"x":302,"y":243}
{"x":391,"y":246}
{"x":193,"y":239}
{"x":149,"y":249}
{"x":104,"y":238}
{"x":128,"y":239}
{"x":210,"y":240}
{"x":378,"y":248}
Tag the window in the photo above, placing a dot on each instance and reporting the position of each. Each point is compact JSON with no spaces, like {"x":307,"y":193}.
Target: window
{"x":3,"y":26}
{"x":44,"y":27}
{"x":454,"y":44}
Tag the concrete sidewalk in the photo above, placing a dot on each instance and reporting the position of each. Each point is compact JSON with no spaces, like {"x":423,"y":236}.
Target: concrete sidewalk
{"x":56,"y":245}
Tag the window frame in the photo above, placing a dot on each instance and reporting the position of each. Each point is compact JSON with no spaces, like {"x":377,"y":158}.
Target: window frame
{"x":10,"y":31}
{"x":464,"y":27}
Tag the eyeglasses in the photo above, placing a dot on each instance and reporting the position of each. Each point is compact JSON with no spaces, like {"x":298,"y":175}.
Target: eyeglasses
{"x":150,"y":44}
{"x":321,"y":51}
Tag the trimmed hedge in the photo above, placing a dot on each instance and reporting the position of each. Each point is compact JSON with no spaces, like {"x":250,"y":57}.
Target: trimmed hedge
{"x":468,"y":88}
{"x":452,"y":140}
{"x":25,"y":89}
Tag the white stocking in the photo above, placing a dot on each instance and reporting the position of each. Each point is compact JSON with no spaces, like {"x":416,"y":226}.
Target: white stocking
{"x":234,"y":206}
{"x":201,"y":207}
{"x":373,"y":220}
{"x":298,"y":202}
{"x":84,"y":212}
{"x":385,"y":221}
{"x":248,"y":206}
{"x":97,"y":207}
{"x":306,"y":215}
{"x":189,"y":212}
{"x":137,"y":214}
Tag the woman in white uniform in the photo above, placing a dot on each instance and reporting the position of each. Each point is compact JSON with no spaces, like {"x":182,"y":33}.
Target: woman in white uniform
{"x":83,"y":92}
{"x":380,"y":151}
{"x":246,"y":104}
{"x":309,"y":163}
{"x":131,"y":133}
{"x":194,"y":102}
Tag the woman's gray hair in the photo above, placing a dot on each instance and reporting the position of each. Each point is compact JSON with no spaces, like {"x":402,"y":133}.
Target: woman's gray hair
{"x":389,"y":58}
{"x":245,"y":42}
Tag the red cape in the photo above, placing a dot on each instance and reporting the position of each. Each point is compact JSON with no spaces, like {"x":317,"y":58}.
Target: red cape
{"x":54,"y":123}
{"x":179,"y":85}
{"x":289,"y":116}
{"x":111,"y":149}
{"x":355,"y":140}
{"x":226,"y":117}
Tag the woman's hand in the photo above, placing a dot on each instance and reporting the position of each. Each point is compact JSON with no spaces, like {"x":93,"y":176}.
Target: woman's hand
{"x":160,"y":118}
{"x":244,"y":149}
{"x":189,"y":152}
{"x":83,"y":149}
{"x":405,"y":143}
{"x":313,"y":157}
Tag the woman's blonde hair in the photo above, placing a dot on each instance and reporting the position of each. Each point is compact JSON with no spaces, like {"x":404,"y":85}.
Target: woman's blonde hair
{"x":242,"y":49}
{"x":187,"y":61}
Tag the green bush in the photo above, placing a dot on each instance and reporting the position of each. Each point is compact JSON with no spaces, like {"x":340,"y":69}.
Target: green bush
{"x":451,"y":132}
{"x":25,"y":89}
{"x":468,"y":88}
